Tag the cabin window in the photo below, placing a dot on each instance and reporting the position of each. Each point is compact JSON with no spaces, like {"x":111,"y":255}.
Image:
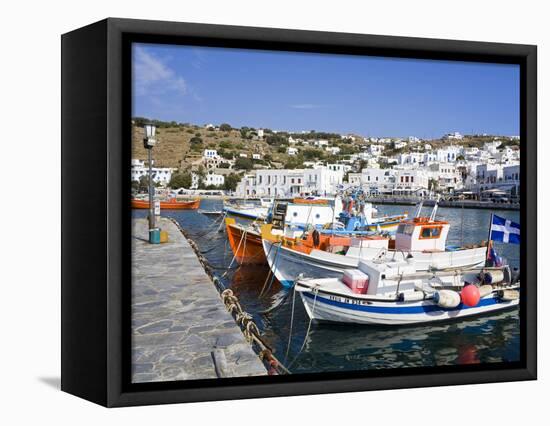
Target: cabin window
{"x":405,"y":229}
{"x":430,"y":232}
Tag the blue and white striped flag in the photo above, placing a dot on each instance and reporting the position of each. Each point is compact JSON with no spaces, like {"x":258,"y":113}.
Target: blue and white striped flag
{"x":504,"y":230}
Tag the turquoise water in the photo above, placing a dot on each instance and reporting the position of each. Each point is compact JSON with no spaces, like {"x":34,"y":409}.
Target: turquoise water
{"x":336,"y":347}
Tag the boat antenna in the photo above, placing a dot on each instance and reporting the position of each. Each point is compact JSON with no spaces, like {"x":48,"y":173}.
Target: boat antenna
{"x":434,"y":211}
{"x":418,"y":208}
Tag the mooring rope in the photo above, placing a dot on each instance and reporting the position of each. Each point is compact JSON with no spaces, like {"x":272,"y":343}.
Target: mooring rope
{"x":291,"y":324}
{"x":243,"y":234}
{"x":315,"y":292}
{"x":271,"y":270}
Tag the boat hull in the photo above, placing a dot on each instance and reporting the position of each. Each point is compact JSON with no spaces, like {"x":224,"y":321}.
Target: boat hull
{"x":168,"y":205}
{"x":288,"y":264}
{"x":328,"y":307}
{"x":251,"y":214}
{"x":245,"y":243}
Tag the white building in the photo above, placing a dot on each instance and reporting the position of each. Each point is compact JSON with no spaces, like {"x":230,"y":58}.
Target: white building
{"x":320,"y":142}
{"x":447,"y":176}
{"x":256,"y":156}
{"x":210,"y":179}
{"x":291,"y":150}
{"x":411,"y":158}
{"x":498,"y":176}
{"x":376,"y":149}
{"x":411,"y":182}
{"x":399,"y":144}
{"x":160,"y":175}
{"x":378,"y":181}
{"x":333,"y":149}
{"x":354,"y":179}
{"x":492,"y":147}
{"x":210,"y":153}
{"x":454,"y":135}
{"x":448,"y":154}
{"x":290,"y":182}
{"x":260,"y":133}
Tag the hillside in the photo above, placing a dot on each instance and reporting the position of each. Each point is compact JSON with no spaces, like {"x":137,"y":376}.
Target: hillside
{"x":181,"y":144}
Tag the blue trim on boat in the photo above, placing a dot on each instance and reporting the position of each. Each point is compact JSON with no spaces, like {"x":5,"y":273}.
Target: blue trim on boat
{"x":399,"y":309}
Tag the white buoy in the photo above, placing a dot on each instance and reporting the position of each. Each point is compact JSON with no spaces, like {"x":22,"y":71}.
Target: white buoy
{"x":447,"y":298}
{"x":492,"y":277}
{"x":509,"y":295}
{"x":485,"y":290}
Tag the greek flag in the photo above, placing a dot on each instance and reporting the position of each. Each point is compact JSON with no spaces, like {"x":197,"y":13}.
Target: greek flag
{"x":504,"y":230}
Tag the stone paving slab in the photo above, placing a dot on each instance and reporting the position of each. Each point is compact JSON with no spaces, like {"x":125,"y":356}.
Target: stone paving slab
{"x":179,"y":323}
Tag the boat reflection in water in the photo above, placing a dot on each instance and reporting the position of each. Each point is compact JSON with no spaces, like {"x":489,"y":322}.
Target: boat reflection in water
{"x":490,"y":338}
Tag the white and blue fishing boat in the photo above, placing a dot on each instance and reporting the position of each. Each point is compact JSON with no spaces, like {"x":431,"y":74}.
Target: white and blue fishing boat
{"x":394,"y":293}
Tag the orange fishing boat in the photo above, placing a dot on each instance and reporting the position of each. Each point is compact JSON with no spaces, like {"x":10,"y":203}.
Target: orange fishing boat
{"x":245,"y":242}
{"x":171,"y":204}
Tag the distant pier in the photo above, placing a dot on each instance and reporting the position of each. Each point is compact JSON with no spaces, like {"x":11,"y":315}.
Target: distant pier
{"x":467,"y":204}
{"x":181,"y":329}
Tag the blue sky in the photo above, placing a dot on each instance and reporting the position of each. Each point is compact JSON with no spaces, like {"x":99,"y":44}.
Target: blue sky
{"x":346,"y":94}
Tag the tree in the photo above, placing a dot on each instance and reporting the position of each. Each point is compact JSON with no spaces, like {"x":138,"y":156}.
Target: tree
{"x":276,"y":140}
{"x":224,"y":127}
{"x":180,"y":180}
{"x":195,"y":140}
{"x":244,"y":163}
{"x":224,"y":165}
{"x":231,"y":181}
{"x":143,"y":184}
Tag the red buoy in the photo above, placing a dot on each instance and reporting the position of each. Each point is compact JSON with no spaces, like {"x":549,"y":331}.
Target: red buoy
{"x":470,"y":295}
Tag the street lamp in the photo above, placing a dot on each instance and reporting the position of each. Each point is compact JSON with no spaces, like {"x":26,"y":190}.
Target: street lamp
{"x":149,"y":142}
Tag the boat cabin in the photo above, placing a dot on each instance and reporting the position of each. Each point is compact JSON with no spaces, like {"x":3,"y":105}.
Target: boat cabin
{"x":301,"y":215}
{"x":422,"y":234}
{"x":389,"y":278}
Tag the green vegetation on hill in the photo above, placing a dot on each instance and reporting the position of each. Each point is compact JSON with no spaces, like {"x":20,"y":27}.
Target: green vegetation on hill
{"x":181,"y":144}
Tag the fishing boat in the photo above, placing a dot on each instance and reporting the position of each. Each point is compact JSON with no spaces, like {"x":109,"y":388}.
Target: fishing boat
{"x":171,"y":204}
{"x":245,"y":242}
{"x":327,"y":253}
{"x":395,"y":293}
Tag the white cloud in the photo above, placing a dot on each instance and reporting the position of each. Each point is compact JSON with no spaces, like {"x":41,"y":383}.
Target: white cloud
{"x":153,"y":76}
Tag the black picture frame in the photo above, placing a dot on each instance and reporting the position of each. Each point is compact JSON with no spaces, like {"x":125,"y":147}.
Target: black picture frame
{"x":96,"y":89}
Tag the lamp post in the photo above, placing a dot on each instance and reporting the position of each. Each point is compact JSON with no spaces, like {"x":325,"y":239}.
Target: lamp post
{"x":149,"y":142}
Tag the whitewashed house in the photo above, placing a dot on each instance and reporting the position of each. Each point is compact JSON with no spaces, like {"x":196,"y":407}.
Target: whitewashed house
{"x":211,"y":178}
{"x":411,"y":182}
{"x":290,"y":182}
{"x":376,"y":149}
{"x":448,"y":154}
{"x":447,"y":176}
{"x":454,"y":135}
{"x":160,"y":175}
{"x":377,"y":181}
{"x":291,"y":150}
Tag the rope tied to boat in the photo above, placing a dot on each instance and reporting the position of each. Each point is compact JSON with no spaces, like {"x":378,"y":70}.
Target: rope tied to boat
{"x":315,"y":290}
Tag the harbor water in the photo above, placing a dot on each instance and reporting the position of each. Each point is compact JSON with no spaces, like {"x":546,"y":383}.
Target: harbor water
{"x":341,"y":347}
